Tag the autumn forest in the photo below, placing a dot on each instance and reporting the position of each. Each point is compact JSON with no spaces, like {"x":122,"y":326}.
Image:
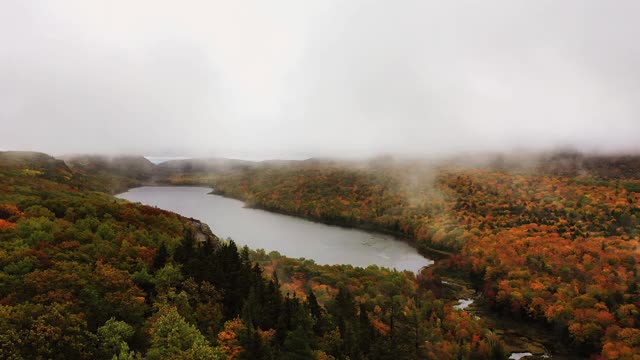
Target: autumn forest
{"x":553,"y":245}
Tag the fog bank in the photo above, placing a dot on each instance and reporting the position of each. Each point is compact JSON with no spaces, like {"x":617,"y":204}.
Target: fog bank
{"x":291,"y":79}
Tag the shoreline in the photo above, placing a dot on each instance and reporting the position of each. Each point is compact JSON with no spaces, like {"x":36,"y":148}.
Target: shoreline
{"x":520,"y":341}
{"x":428,"y":252}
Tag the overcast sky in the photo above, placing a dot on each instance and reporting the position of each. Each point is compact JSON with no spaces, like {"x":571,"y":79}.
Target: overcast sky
{"x":291,"y":79}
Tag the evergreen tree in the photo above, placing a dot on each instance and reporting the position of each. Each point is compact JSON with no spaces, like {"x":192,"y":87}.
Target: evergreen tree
{"x":344,"y":308}
{"x":316,"y":313}
{"x":272,"y":304}
{"x":160,"y":258}
{"x":187,"y":249}
{"x":366,"y":333}
{"x":252,"y":343}
{"x":296,"y":345}
{"x":284,"y":320}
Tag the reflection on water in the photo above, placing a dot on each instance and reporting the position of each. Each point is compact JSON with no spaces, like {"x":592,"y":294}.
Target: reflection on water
{"x":288,"y":235}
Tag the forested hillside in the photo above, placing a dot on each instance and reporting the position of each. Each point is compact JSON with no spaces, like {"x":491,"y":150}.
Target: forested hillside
{"x":86,"y":276}
{"x":112,"y":174}
{"x":116,"y":174}
{"x":556,"y":242}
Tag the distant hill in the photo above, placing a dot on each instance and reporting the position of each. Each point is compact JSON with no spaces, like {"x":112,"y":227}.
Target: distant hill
{"x":204,"y":165}
{"x":124,"y":172}
{"x":134,"y":167}
{"x":113,"y":174}
{"x":568,"y":163}
{"x":36,"y":164}
{"x":29,"y":158}
{"x":598,"y":166}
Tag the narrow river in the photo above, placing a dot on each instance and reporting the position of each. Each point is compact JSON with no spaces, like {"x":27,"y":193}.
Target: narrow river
{"x":290,"y":236}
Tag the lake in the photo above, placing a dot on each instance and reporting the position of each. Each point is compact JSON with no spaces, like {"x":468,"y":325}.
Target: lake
{"x":290,"y":236}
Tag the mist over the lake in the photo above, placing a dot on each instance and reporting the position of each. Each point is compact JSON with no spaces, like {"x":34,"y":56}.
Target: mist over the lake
{"x":291,"y":79}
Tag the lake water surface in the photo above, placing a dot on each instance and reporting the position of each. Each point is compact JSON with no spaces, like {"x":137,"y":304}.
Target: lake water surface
{"x":290,"y":236}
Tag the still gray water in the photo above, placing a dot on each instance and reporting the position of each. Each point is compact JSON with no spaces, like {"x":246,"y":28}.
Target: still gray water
{"x":290,"y":236}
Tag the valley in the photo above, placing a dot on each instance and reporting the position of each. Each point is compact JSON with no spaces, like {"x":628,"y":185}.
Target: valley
{"x":495,"y":235}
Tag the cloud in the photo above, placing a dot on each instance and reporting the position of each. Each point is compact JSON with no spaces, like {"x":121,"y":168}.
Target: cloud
{"x":334,"y":78}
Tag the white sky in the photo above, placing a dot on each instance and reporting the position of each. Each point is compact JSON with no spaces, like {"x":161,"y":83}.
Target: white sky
{"x":291,"y":79}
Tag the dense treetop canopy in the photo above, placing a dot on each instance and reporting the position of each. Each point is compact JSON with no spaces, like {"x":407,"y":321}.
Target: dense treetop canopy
{"x":84,"y":275}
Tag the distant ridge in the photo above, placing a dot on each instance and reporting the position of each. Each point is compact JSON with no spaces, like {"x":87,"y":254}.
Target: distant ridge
{"x":37,"y":164}
{"x":130,"y":166}
{"x":205,"y":165}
